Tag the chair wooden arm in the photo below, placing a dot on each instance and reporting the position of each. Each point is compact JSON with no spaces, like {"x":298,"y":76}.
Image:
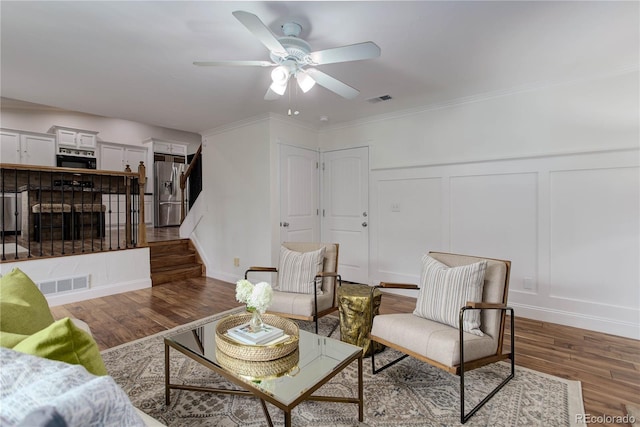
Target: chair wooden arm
{"x":327,"y":274}
{"x":260,"y":269}
{"x":481,"y":305}
{"x":390,"y":285}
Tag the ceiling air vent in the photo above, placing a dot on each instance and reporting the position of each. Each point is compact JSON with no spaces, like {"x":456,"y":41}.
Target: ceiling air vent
{"x":379,"y":99}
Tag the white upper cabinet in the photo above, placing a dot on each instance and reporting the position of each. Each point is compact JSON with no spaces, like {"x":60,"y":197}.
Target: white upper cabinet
{"x":75,"y":138}
{"x":111,"y":158}
{"x":133,"y":156}
{"x":27,"y":148}
{"x":117,"y":157}
{"x":168,"y":147}
{"x":10,"y":147}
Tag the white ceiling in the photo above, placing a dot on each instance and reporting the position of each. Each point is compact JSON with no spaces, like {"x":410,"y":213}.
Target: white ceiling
{"x":133,"y":60}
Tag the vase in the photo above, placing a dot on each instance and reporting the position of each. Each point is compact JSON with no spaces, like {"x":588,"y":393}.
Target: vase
{"x":255,"y":324}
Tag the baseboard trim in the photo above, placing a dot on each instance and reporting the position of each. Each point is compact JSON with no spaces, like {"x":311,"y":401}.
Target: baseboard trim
{"x":97,"y":292}
{"x":576,"y":320}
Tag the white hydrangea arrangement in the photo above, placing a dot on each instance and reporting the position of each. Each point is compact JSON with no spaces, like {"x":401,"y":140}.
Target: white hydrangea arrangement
{"x":256,"y":297}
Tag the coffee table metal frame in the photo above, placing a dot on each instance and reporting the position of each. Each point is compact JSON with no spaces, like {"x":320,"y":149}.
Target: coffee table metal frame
{"x":256,"y":391}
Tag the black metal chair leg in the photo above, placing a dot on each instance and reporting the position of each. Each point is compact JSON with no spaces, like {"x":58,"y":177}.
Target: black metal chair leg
{"x":465,"y":417}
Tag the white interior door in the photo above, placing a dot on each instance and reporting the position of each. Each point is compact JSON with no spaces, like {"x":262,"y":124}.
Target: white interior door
{"x":345,"y":209}
{"x":299,"y":212}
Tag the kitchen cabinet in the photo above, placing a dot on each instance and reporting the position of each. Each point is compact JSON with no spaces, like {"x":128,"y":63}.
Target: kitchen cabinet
{"x":148,"y":209}
{"x":75,"y":138}
{"x":116,"y":209}
{"x":117,"y":157}
{"x":27,"y":148}
{"x":168,"y":147}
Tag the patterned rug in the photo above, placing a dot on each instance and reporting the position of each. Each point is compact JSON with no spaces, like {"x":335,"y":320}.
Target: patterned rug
{"x":410,"y":393}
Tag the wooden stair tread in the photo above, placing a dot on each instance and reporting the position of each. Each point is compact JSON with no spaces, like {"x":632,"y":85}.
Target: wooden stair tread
{"x":173,"y":260}
{"x":178,"y":267}
{"x":158,"y":278}
{"x":168,"y":247}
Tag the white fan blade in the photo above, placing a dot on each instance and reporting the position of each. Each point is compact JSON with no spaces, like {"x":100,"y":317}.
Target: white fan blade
{"x":332,"y":84}
{"x":354,"y":52}
{"x":271,"y":95}
{"x":261,"y":31}
{"x":234,"y":63}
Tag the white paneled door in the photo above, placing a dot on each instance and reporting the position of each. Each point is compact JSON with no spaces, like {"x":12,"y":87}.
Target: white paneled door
{"x":345,"y":209}
{"x":299,"y":210}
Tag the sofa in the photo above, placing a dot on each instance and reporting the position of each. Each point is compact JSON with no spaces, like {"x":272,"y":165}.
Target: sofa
{"x":52,"y":373}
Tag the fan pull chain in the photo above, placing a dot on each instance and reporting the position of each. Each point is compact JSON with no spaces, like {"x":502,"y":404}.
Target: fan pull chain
{"x":294,"y":112}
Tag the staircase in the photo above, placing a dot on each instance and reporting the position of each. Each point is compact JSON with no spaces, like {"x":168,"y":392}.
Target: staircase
{"x":174,"y":260}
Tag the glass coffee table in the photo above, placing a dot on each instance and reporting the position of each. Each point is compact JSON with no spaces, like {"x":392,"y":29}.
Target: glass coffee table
{"x":320,"y":359}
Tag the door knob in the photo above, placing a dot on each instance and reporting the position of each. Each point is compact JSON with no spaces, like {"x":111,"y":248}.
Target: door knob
{"x":285,"y":224}
{"x":364,"y":224}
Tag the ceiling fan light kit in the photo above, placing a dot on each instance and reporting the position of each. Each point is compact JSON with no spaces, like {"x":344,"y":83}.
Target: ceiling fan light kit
{"x":292,"y":56}
{"x":305,"y":81}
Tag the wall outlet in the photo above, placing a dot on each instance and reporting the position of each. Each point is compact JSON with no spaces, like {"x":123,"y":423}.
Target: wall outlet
{"x":236,"y":262}
{"x":395,"y":207}
{"x":528,"y":283}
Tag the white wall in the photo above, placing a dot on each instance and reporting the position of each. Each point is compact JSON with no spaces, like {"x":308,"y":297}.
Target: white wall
{"x":241,"y":193}
{"x":110,"y":130}
{"x":236,"y":192}
{"x":547,"y":178}
{"x":598,"y":114}
{"x":109,"y":273}
{"x":569,"y":224}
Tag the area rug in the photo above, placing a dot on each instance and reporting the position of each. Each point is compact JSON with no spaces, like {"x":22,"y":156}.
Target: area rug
{"x":410,"y":393}
{"x":633,"y":413}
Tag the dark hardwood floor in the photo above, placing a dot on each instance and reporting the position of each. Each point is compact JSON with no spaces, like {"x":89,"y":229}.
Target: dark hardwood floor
{"x":608,"y":366}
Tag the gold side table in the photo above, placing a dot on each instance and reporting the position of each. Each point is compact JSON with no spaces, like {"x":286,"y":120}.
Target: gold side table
{"x":356,"y":303}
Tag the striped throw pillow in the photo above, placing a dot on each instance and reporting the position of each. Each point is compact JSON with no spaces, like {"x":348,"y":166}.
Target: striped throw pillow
{"x":297,"y":270}
{"x":444,"y":290}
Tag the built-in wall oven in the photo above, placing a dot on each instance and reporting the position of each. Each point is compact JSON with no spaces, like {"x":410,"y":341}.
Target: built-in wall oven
{"x":79,"y":159}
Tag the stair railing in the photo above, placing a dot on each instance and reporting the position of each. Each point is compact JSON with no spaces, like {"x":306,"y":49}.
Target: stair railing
{"x":184,"y":176}
{"x":68,"y":211}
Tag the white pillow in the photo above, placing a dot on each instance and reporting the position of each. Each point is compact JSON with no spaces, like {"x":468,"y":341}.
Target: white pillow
{"x":444,"y":290}
{"x":297,"y":270}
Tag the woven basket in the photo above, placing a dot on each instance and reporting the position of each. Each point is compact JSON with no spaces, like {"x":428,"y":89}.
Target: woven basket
{"x":260,"y":370}
{"x":256,"y":353}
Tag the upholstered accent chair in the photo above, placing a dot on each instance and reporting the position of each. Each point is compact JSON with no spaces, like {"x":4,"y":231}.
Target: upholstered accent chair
{"x":462,"y":299}
{"x":306,"y":280}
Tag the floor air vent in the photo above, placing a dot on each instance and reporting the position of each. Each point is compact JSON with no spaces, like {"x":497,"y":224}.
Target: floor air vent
{"x":64,"y":285}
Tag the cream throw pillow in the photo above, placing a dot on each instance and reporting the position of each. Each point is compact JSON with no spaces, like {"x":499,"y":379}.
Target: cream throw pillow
{"x":297,"y":270}
{"x":444,"y":290}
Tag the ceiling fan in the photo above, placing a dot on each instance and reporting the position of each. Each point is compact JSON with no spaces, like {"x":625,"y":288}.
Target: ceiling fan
{"x":292,"y":58}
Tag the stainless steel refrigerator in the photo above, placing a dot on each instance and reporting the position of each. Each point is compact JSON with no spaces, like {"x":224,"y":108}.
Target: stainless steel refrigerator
{"x":167,"y":192}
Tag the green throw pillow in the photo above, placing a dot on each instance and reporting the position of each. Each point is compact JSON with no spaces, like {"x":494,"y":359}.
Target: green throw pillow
{"x":23,"y":308}
{"x":9,"y":339}
{"x":65,"y":342}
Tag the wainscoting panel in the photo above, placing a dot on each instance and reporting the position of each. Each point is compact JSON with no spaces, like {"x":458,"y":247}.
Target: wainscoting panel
{"x":409,"y":215}
{"x":569,"y":223}
{"x":594,"y":236}
{"x":497,"y":216}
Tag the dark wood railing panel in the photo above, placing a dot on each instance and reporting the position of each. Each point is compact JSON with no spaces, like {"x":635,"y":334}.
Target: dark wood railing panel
{"x":66,"y":211}
{"x":184,"y":176}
